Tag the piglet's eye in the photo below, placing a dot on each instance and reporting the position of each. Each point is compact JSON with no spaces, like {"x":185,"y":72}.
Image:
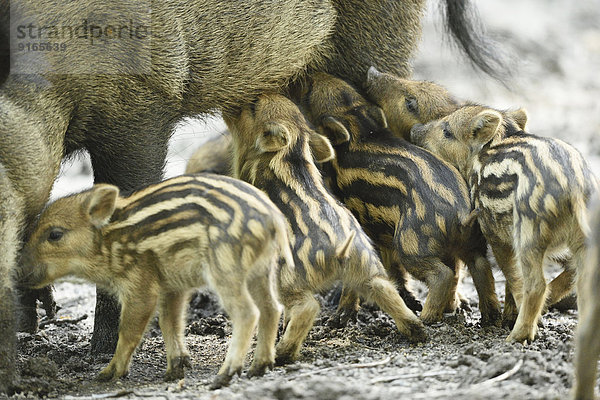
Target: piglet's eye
{"x":447,"y":132}
{"x":55,"y":235}
{"x":411,"y":105}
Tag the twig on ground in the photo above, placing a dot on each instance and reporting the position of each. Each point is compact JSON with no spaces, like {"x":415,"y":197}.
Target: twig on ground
{"x":467,"y":392}
{"x":501,"y":377}
{"x":411,"y":376}
{"x":121,"y":393}
{"x":62,"y":321}
{"x":344,"y":366}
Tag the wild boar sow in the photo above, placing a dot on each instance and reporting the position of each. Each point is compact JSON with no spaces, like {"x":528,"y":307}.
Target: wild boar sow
{"x":152,"y":247}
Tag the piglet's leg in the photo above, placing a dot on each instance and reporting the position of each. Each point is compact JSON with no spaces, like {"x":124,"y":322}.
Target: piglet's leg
{"x":261,"y":291}
{"x":347,"y":308}
{"x":173,"y":309}
{"x":561,"y":286}
{"x":441,"y":282}
{"x":135,"y":314}
{"x":243,"y":314}
{"x":481,"y":272}
{"x":505,"y":257}
{"x":301,"y":309}
{"x":534,"y":295}
{"x":383,"y":292}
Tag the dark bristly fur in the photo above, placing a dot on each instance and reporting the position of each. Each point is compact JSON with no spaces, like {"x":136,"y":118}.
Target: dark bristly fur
{"x":463,"y":23}
{"x":272,"y":148}
{"x":10,"y":225}
{"x":408,"y":200}
{"x":156,"y":244}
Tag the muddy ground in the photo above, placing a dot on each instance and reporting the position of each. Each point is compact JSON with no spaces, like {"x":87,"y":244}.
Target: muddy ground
{"x":556,"y":45}
{"x":366,"y":360}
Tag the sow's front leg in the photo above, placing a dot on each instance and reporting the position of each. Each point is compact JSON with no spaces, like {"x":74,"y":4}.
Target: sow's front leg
{"x":129,"y":163}
{"x":10,"y":221}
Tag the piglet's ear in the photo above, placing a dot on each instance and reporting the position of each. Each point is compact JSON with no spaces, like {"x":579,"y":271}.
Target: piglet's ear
{"x":485,"y":125}
{"x":372,"y":75}
{"x":321,"y":148}
{"x":274,"y":138}
{"x":100,"y":204}
{"x":334,"y":130}
{"x":519,"y":116}
{"x":378,"y":115}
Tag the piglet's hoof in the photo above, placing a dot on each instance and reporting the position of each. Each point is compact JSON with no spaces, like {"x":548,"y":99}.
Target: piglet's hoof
{"x":109,"y":374}
{"x":283,"y":359}
{"x":259,"y":369}
{"x":341,"y":318}
{"x":521,"y":336}
{"x":222,"y":380}
{"x":417,"y":333}
{"x":508,"y":321}
{"x":176,"y":372}
{"x":491,"y":318}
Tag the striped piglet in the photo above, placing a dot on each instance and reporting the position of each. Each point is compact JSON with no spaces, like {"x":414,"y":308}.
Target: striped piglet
{"x":156,"y":244}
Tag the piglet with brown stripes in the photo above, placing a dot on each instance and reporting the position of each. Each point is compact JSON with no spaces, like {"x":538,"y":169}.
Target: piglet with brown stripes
{"x":155,"y":245}
{"x":272,"y":147}
{"x":532,"y":193}
{"x":414,"y":205}
{"x":406,"y":103}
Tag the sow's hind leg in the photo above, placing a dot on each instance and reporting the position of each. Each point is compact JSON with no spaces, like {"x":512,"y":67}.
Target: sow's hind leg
{"x":127,"y":161}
